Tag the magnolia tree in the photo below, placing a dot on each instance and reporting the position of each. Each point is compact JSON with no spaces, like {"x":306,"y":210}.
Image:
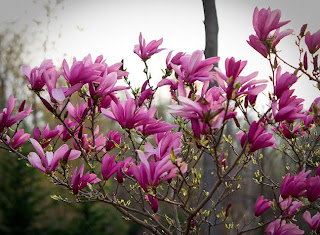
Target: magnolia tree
{"x":157,"y":164}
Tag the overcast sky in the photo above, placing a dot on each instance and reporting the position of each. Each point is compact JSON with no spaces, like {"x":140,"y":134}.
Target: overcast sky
{"x":111,"y":28}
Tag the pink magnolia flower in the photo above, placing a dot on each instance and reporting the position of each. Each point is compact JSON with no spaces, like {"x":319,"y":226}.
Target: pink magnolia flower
{"x":206,"y":112}
{"x":36,"y":76}
{"x":57,"y":95}
{"x":174,"y":60}
{"x":154,"y":127}
{"x":146,"y":51}
{"x":288,"y":107}
{"x":313,"y":188}
{"x":288,"y":206}
{"x":264,"y":21}
{"x":150,"y":174}
{"x":262,"y":205}
{"x":79,"y":112}
{"x":153,"y":202}
{"x":48,"y":162}
{"x":295,"y":185}
{"x":80,"y":181}
{"x":281,"y":227}
{"x":124,"y":169}
{"x":19,"y":138}
{"x":313,"y":222}
{"x":109,"y":166}
{"x":283,"y":82}
{"x":313,"y":41}
{"x":6,"y":117}
{"x":64,"y":133}
{"x":235,"y":85}
{"x":194,"y":68}
{"x":45,"y":136}
{"x":87,"y":142}
{"x":256,"y":138}
{"x":104,"y":87}
{"x":289,"y":130}
{"x":128,"y":115}
{"x":144,"y":93}
{"x":112,"y":138}
{"x":167,"y":143}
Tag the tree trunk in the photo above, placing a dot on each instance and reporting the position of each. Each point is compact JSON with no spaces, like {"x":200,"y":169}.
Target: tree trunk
{"x":211,"y":50}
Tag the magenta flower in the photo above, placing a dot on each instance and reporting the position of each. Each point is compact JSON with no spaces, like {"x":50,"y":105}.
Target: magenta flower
{"x":19,"y":139}
{"x":108,"y":166}
{"x":48,"y":162}
{"x":150,"y":174}
{"x":128,"y":115}
{"x":124,"y":169}
{"x":36,"y":76}
{"x":313,"y":41}
{"x":194,"y":68}
{"x":262,"y":205}
{"x":295,"y":185}
{"x":174,"y":60}
{"x":79,"y":112}
{"x":313,"y":188}
{"x":87,"y":142}
{"x":6,"y":117}
{"x":288,"y":206}
{"x":146,"y":51}
{"x":45,"y":136}
{"x":104,"y":86}
{"x":235,"y":85}
{"x":167,"y":143}
{"x":112,"y":138}
{"x":57,"y":95}
{"x":153,"y":202}
{"x":145,"y":93}
{"x":80,"y":181}
{"x":257,"y":138}
{"x":264,"y":21}
{"x":206,"y":112}
{"x":281,"y":227}
{"x":313,"y":222}
{"x":283,"y":82}
{"x":287,"y":108}
{"x":65,"y":135}
{"x":154,"y":127}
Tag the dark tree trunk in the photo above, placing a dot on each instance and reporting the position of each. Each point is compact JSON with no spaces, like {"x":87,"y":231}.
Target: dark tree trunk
{"x":211,"y":50}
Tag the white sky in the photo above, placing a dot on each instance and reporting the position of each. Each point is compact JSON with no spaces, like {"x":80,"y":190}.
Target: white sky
{"x":111,"y":28}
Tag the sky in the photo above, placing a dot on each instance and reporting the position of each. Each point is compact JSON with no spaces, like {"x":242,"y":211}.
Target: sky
{"x":111,"y":28}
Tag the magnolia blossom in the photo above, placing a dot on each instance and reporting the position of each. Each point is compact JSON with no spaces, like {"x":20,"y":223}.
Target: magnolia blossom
{"x":88,"y":144}
{"x":256,"y":138}
{"x":313,"y":41}
{"x":19,"y":138}
{"x":262,"y":205}
{"x":235,"y":85}
{"x":146,"y":51}
{"x":314,"y":222}
{"x":289,"y":206}
{"x":45,"y":136}
{"x":283,"y":82}
{"x":288,"y":107}
{"x":167,"y":143}
{"x":313,"y":188}
{"x":48,"y":162}
{"x":7,"y":119}
{"x":281,"y":227}
{"x":206,"y":112}
{"x":78,"y":112}
{"x":295,"y":185}
{"x":36,"y":76}
{"x":264,"y":22}
{"x":194,"y":68}
{"x":153,"y":202}
{"x":80,"y":181}
{"x":174,"y":60}
{"x":150,"y":173}
{"x":108,"y":166}
{"x":113,"y":137}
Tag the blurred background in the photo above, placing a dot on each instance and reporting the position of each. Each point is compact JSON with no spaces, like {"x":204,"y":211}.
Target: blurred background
{"x":34,"y":30}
